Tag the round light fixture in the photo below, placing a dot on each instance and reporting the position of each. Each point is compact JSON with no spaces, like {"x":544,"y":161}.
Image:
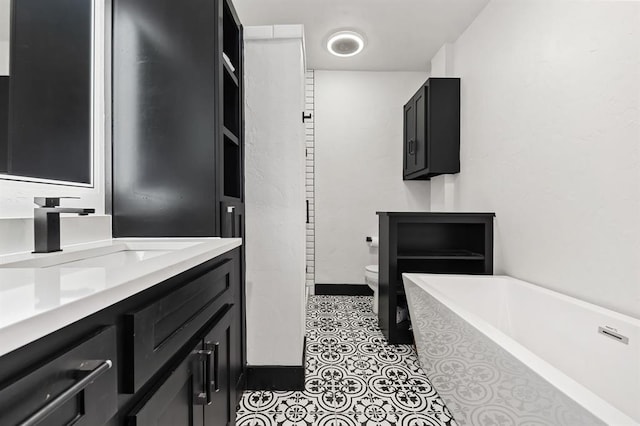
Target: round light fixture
{"x":345,"y":43}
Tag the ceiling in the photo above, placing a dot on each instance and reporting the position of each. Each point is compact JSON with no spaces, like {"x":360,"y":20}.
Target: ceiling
{"x":401,"y":35}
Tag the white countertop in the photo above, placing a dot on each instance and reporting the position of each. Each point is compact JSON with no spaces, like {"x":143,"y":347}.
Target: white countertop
{"x":36,"y":301}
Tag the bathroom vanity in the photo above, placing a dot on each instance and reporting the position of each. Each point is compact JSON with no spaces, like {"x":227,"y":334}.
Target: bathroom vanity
{"x":123,"y":331}
{"x":437,"y":243}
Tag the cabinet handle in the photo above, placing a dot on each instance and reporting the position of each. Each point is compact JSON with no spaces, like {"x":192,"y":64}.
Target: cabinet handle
{"x":216,"y":370}
{"x":204,"y":398}
{"x":60,"y":400}
{"x":412,"y":144}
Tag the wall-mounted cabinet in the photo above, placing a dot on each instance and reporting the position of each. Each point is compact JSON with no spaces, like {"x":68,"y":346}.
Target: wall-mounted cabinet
{"x":435,"y":243}
{"x":432,"y":130}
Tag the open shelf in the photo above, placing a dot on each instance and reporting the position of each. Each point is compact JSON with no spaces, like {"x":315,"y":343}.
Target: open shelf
{"x":440,"y":266}
{"x":230,"y":104}
{"x":452,"y":254}
{"x":230,"y":36}
{"x":232,"y":169}
{"x":442,"y":240}
{"x":230,"y":72}
{"x":231,"y":111}
{"x":229,"y":135}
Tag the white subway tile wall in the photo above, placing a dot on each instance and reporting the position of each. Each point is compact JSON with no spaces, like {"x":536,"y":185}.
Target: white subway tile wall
{"x":309,"y":175}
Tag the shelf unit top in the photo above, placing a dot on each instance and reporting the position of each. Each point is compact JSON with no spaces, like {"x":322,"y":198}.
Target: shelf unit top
{"x":434,"y":214}
{"x":441,"y":256}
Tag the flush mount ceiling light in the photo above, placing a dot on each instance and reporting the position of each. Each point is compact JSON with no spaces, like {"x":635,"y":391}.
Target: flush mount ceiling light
{"x":345,"y":43}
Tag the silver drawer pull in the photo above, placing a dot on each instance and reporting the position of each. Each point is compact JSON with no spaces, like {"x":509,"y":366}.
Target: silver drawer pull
{"x":204,"y":398}
{"x":94,"y":371}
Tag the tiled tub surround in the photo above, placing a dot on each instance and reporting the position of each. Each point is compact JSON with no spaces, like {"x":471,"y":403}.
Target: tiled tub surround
{"x":502,"y":351}
{"x":353,"y":377}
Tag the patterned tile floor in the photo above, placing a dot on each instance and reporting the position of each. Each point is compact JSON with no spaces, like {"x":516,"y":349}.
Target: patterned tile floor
{"x":353,"y":377}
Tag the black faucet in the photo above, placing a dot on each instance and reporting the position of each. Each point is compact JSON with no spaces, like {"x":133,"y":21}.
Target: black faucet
{"x":46,"y":223}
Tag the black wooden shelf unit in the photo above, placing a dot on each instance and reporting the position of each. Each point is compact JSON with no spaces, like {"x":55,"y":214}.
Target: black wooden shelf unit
{"x":437,"y":243}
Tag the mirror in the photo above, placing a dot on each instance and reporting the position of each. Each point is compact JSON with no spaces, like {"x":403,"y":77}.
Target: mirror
{"x":46,"y":91}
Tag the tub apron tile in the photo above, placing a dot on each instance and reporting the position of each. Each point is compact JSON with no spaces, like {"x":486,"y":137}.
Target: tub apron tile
{"x":480,"y":382}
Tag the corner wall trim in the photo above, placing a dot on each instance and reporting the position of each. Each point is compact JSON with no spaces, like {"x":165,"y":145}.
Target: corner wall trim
{"x":343,"y":290}
{"x":277,"y":377}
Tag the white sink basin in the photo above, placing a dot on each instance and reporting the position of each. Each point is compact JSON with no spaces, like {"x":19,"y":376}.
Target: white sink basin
{"x":112,"y":260}
{"x":117,"y":255}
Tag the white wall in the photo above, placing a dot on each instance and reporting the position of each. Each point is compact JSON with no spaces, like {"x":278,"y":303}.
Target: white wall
{"x":443,"y":186}
{"x":358,"y":166}
{"x":4,"y":57}
{"x":275,"y":206}
{"x":551,"y":142}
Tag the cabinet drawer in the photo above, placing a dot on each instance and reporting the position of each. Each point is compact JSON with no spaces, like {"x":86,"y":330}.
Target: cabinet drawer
{"x":78,"y":386}
{"x":156,"y":332}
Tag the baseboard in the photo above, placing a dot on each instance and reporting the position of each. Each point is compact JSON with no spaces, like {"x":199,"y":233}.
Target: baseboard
{"x":343,"y":290}
{"x":277,"y":377}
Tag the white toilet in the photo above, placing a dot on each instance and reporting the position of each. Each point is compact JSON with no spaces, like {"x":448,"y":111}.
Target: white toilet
{"x":371,"y":278}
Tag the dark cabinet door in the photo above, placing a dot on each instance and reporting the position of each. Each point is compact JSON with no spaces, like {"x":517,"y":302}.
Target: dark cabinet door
{"x":179,"y":396}
{"x":77,"y":387}
{"x":421,"y":149}
{"x":156,"y":331}
{"x":218,"y":344}
{"x":409,"y":137}
{"x":164,"y":126}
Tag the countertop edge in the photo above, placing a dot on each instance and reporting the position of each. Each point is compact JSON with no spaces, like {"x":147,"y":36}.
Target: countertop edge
{"x":22,"y":332}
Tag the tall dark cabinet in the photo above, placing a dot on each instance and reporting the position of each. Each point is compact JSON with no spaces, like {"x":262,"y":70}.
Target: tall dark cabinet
{"x":178,"y":152}
{"x":431,"y":145}
{"x":436,"y":243}
{"x":177,"y":118}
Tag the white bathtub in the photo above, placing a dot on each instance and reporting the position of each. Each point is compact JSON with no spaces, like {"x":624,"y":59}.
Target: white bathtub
{"x":554,"y":335}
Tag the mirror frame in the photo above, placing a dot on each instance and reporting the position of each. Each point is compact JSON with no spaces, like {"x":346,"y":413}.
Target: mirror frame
{"x":92,"y":111}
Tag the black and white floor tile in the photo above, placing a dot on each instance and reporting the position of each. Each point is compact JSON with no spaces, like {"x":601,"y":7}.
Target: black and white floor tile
{"x":353,"y":377}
